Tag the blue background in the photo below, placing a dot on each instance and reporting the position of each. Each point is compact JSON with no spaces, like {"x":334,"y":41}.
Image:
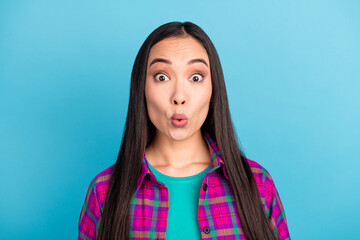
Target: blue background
{"x":292,"y":70}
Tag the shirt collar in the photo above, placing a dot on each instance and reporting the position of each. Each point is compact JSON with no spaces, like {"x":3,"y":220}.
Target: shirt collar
{"x":216,"y":162}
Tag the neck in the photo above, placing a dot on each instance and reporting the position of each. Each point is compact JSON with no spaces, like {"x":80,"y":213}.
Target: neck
{"x":177,"y":154}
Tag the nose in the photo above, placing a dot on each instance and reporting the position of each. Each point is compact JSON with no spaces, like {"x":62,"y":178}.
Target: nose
{"x":179,"y":102}
{"x":179,"y":96}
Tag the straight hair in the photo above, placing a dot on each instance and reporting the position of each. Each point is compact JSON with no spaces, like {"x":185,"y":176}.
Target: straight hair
{"x":139,"y":131}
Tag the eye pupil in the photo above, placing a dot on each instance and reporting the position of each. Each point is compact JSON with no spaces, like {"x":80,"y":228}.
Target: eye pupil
{"x":161,"y":78}
{"x":196,"y":78}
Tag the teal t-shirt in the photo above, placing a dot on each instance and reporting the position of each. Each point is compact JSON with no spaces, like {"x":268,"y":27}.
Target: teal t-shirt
{"x":182,"y":222}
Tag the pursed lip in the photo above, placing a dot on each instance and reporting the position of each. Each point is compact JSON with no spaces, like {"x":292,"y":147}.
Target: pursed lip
{"x":177,"y":116}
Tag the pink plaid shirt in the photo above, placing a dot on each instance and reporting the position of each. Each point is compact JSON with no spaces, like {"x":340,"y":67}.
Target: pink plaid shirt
{"x":217,"y":212}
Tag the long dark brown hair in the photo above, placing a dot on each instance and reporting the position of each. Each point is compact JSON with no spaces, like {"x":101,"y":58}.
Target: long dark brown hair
{"x":115,"y":217}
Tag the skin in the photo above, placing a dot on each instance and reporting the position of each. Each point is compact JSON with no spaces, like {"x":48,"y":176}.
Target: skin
{"x":177,"y":87}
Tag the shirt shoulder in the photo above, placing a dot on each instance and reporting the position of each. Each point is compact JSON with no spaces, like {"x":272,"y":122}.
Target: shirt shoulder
{"x":90,"y":215}
{"x":101,"y":184}
{"x":263,"y":181}
{"x":261,"y":175}
{"x":270,"y":198}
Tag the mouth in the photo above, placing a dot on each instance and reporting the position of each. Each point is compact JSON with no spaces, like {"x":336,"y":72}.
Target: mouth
{"x":179,"y":120}
{"x":179,"y":117}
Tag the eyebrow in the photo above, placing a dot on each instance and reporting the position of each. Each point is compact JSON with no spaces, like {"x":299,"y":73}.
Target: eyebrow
{"x":169,"y":62}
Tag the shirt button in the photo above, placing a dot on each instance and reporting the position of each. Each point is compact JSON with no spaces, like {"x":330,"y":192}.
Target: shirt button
{"x":206,"y":230}
{"x":205,"y":187}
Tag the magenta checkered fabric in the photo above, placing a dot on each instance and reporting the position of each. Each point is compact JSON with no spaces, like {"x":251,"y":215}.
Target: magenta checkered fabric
{"x":217,"y":212}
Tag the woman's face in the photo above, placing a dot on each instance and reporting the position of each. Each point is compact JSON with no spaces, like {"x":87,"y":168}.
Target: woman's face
{"x":178,"y":82}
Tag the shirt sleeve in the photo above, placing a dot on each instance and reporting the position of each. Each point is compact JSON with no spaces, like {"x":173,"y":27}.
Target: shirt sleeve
{"x":89,"y":221}
{"x":274,"y":208}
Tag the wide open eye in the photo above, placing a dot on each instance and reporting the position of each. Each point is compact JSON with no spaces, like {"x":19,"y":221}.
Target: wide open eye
{"x":161,"y":77}
{"x":197,"y":77}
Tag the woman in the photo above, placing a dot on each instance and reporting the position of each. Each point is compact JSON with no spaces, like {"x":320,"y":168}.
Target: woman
{"x":180,"y":173}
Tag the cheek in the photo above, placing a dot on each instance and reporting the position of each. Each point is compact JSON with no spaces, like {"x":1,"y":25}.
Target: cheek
{"x":202,"y":103}
{"x":155,"y":103}
{"x":205,"y":97}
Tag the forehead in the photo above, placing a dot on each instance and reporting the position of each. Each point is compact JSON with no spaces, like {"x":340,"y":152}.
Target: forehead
{"x":178,"y":49}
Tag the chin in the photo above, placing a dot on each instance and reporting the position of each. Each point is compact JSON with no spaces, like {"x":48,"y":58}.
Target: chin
{"x":179,"y":134}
